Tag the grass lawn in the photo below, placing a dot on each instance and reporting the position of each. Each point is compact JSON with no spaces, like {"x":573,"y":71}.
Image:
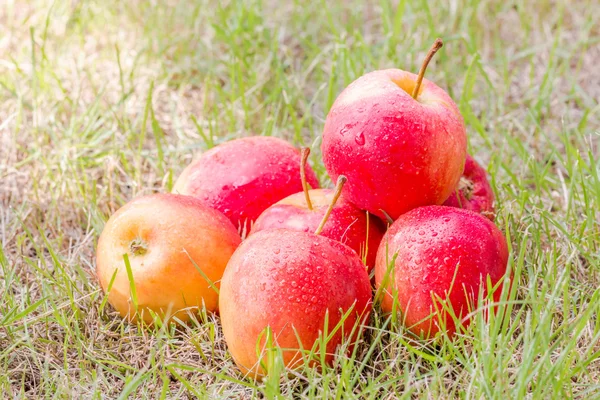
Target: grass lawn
{"x":103,"y":101}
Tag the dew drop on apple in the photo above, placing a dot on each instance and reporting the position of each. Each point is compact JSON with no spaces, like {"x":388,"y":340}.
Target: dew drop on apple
{"x":294,"y":284}
{"x":360,"y":139}
{"x":276,"y":251}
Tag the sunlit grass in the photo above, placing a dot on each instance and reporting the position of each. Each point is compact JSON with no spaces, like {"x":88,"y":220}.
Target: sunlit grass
{"x":102,"y":101}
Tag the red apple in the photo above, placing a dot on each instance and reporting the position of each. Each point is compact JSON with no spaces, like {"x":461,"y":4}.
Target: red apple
{"x":304,"y":212}
{"x":473,"y":192}
{"x":177,"y":250}
{"x":243,"y":177}
{"x":291,"y":282}
{"x":401,"y":143}
{"x":443,"y":255}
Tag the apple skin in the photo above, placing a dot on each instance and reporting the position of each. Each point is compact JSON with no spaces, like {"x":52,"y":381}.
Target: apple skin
{"x":398,"y":153}
{"x":429,"y":243}
{"x":243,"y":177}
{"x":289,"y":281}
{"x":175,"y":229}
{"x":346,"y":223}
{"x":474,"y":191}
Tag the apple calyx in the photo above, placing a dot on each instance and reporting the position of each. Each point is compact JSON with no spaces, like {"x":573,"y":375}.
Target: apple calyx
{"x":339,"y":185}
{"x":466,"y":187}
{"x":138,"y":247}
{"x":434,"y":48}
{"x":305,"y":152}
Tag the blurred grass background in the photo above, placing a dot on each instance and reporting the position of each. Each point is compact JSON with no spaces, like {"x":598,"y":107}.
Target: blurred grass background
{"x":101,"y":101}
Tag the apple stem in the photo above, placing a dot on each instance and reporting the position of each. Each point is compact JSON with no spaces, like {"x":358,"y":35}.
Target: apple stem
{"x":434,"y":48}
{"x":336,"y":195}
{"x":305,"y":153}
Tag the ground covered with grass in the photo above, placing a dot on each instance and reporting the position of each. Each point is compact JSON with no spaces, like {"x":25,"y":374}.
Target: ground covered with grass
{"x":102,"y":101}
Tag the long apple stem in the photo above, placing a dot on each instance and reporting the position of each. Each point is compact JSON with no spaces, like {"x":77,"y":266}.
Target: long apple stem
{"x":336,"y":195}
{"x":305,"y":153}
{"x":434,"y":48}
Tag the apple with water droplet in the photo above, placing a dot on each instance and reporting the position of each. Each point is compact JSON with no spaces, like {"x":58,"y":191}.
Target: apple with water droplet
{"x":243,"y":177}
{"x":435,"y":259}
{"x":305,"y":211}
{"x":289,"y":288}
{"x":474,"y":191}
{"x":177,"y":250}
{"x":398,"y":138}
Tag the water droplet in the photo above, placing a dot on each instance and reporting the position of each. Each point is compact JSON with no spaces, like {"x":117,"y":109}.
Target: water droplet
{"x":276,"y":260}
{"x":360,"y":139}
{"x":320,"y":269}
{"x":294,"y":284}
{"x":421,"y":233}
{"x":263,"y":286}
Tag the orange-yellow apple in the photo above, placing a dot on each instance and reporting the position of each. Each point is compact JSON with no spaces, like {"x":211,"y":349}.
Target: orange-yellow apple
{"x":298,"y":284}
{"x":177,"y":250}
{"x":243,"y":177}
{"x":398,"y":138}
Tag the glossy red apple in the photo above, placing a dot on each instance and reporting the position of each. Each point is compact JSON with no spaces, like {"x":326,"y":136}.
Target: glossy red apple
{"x":243,"y":177}
{"x":474,"y":191}
{"x":346,"y":223}
{"x":291,"y":282}
{"x":400,"y":143}
{"x":443,"y":255}
{"x":177,"y":250}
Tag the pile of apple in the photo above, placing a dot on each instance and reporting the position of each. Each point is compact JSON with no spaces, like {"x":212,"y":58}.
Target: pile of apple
{"x":410,"y":208}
